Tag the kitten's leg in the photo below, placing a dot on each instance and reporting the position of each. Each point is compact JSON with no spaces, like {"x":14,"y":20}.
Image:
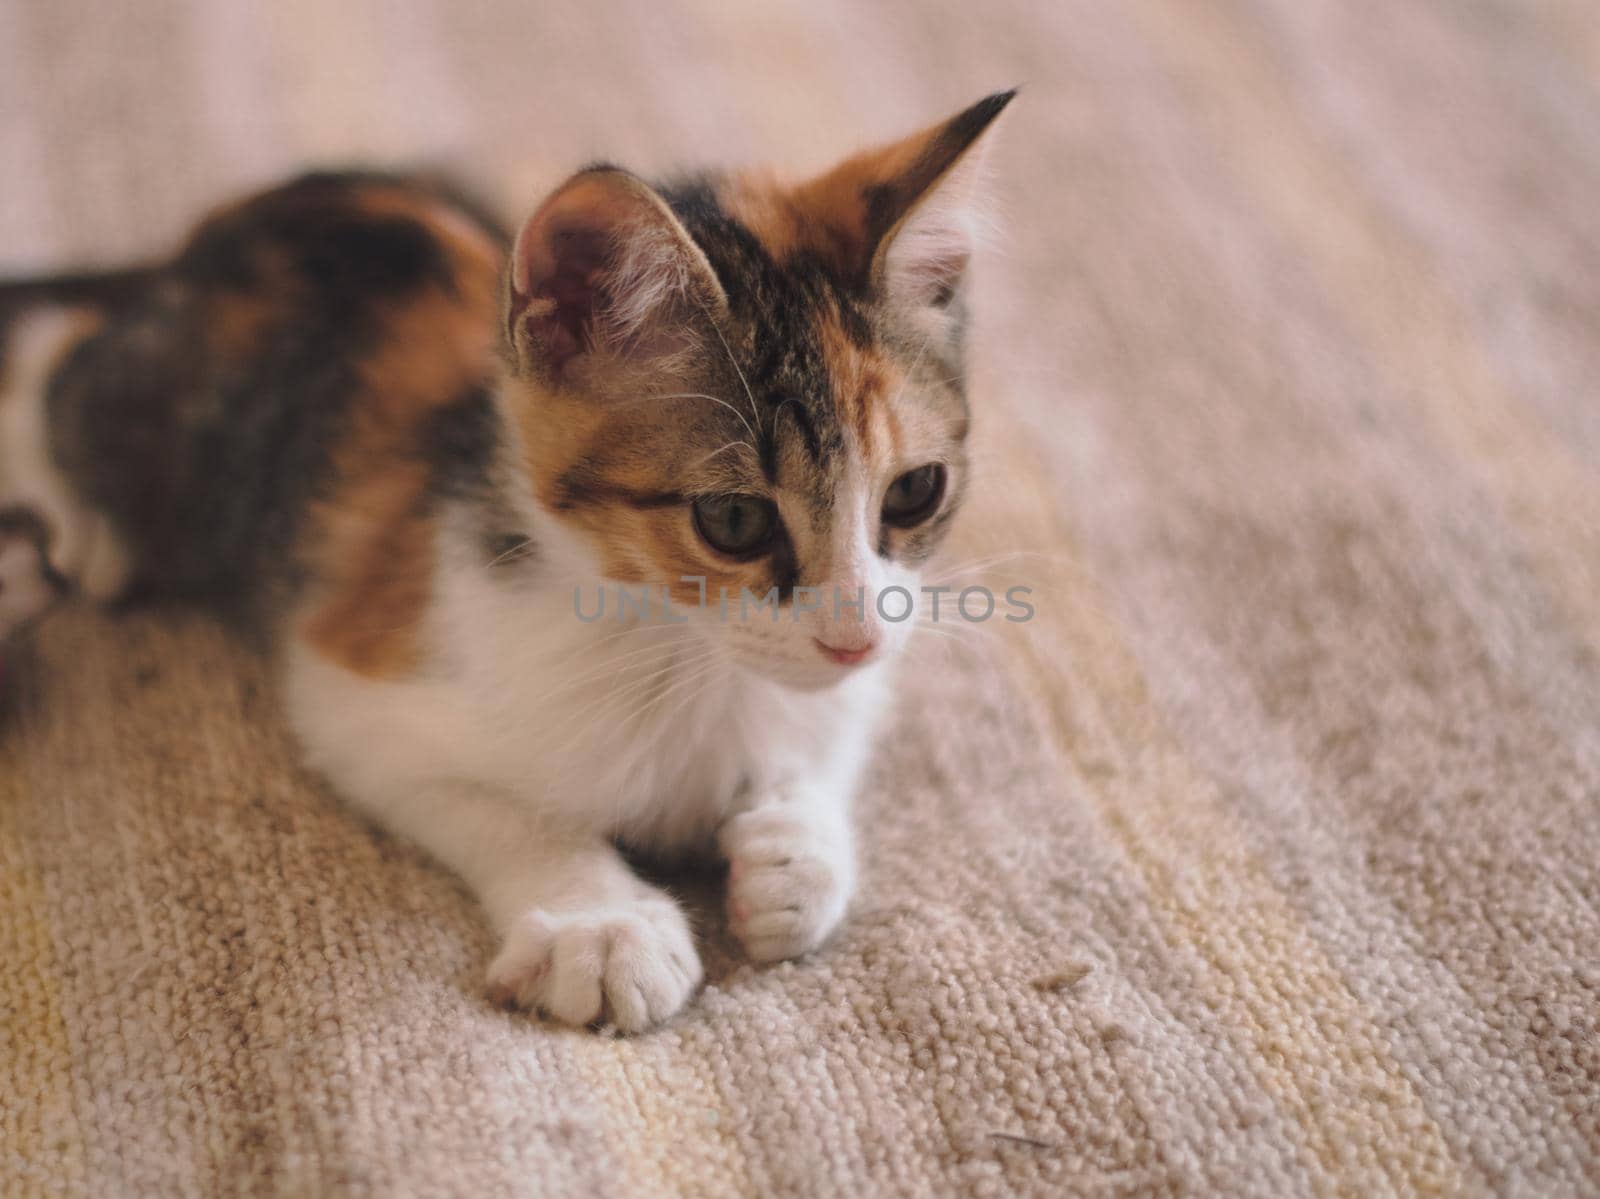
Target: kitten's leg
{"x":583,"y":937}
{"x":82,"y":548}
{"x":791,"y":851}
{"x":28,"y":587}
{"x":791,"y":869}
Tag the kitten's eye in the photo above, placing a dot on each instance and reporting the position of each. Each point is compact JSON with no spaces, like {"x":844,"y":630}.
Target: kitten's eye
{"x":740,"y":526}
{"x":914,"y":496}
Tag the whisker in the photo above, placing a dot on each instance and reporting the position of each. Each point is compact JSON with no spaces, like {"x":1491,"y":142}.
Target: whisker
{"x":705,"y":669}
{"x":597,"y":714}
{"x":615,"y":665}
{"x":942,"y":637}
{"x":594,"y":715}
{"x":738,"y":370}
{"x":957,"y":629}
{"x":741,"y":445}
{"x":607,"y":703}
{"x":982,"y":645}
{"x":586,"y":649}
{"x":706,"y":681}
{"x":979,"y":564}
{"x":700,"y":395}
{"x":905,"y":380}
{"x":521,"y":549}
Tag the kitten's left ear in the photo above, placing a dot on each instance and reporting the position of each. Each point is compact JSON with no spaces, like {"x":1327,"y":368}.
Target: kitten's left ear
{"x":904,"y":215}
{"x":603,"y":274}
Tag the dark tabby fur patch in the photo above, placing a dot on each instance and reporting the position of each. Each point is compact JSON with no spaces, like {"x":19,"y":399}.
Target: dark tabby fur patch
{"x":206,"y":414}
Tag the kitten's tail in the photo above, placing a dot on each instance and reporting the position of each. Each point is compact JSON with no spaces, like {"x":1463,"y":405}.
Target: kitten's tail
{"x":72,"y":289}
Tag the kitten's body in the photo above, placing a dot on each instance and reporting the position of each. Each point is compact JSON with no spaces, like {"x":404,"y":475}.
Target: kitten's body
{"x":317,"y":417}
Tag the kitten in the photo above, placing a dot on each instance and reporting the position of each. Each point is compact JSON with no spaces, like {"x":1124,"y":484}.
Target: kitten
{"x":417,"y":456}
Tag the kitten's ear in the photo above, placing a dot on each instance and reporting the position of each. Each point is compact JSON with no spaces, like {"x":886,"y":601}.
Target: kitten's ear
{"x":904,"y":215}
{"x":604,"y":270}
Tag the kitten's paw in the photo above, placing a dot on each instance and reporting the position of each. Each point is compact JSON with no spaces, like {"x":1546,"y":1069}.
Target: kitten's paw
{"x":788,"y":881}
{"x":633,"y":965}
{"x":27,"y":587}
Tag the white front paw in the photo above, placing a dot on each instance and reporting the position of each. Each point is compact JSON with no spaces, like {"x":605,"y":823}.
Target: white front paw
{"x":789,"y":878}
{"x":633,"y":964}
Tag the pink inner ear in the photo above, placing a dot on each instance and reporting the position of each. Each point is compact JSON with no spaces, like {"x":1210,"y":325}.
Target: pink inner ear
{"x":560,"y":288}
{"x":928,"y":269}
{"x":602,"y":268}
{"x":941,"y":276}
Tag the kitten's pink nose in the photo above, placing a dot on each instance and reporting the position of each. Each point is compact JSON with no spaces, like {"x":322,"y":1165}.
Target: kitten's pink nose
{"x":841,"y":656}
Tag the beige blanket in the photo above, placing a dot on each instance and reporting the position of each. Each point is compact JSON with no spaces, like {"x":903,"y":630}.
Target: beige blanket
{"x":1265,"y":860}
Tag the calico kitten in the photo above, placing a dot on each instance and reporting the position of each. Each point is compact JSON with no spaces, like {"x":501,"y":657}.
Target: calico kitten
{"x":417,"y":455}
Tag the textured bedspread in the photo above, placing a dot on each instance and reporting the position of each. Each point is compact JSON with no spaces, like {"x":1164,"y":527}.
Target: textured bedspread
{"x":1264,"y":860}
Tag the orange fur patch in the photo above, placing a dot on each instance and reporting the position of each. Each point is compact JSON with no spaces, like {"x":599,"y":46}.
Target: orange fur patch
{"x":761,"y":203}
{"x":636,"y":543}
{"x":847,"y":215}
{"x":476,"y":256}
{"x":858,"y":381}
{"x":373,"y":543}
{"x":377,"y":544}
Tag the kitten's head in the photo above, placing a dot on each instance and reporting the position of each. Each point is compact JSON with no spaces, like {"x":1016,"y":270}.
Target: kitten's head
{"x":757,"y":384}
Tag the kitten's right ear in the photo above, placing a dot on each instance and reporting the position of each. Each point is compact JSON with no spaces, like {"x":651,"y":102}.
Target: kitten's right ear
{"x":902,"y":215}
{"x":605,"y":271}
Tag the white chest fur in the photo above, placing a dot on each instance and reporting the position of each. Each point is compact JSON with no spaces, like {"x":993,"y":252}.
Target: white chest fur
{"x":645,"y":731}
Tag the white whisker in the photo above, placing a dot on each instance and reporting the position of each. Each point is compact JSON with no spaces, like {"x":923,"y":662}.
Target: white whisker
{"x":700,"y":395}
{"x":738,"y":370}
{"x":740,"y":445}
{"x":522,"y":549}
{"x":615,"y":665}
